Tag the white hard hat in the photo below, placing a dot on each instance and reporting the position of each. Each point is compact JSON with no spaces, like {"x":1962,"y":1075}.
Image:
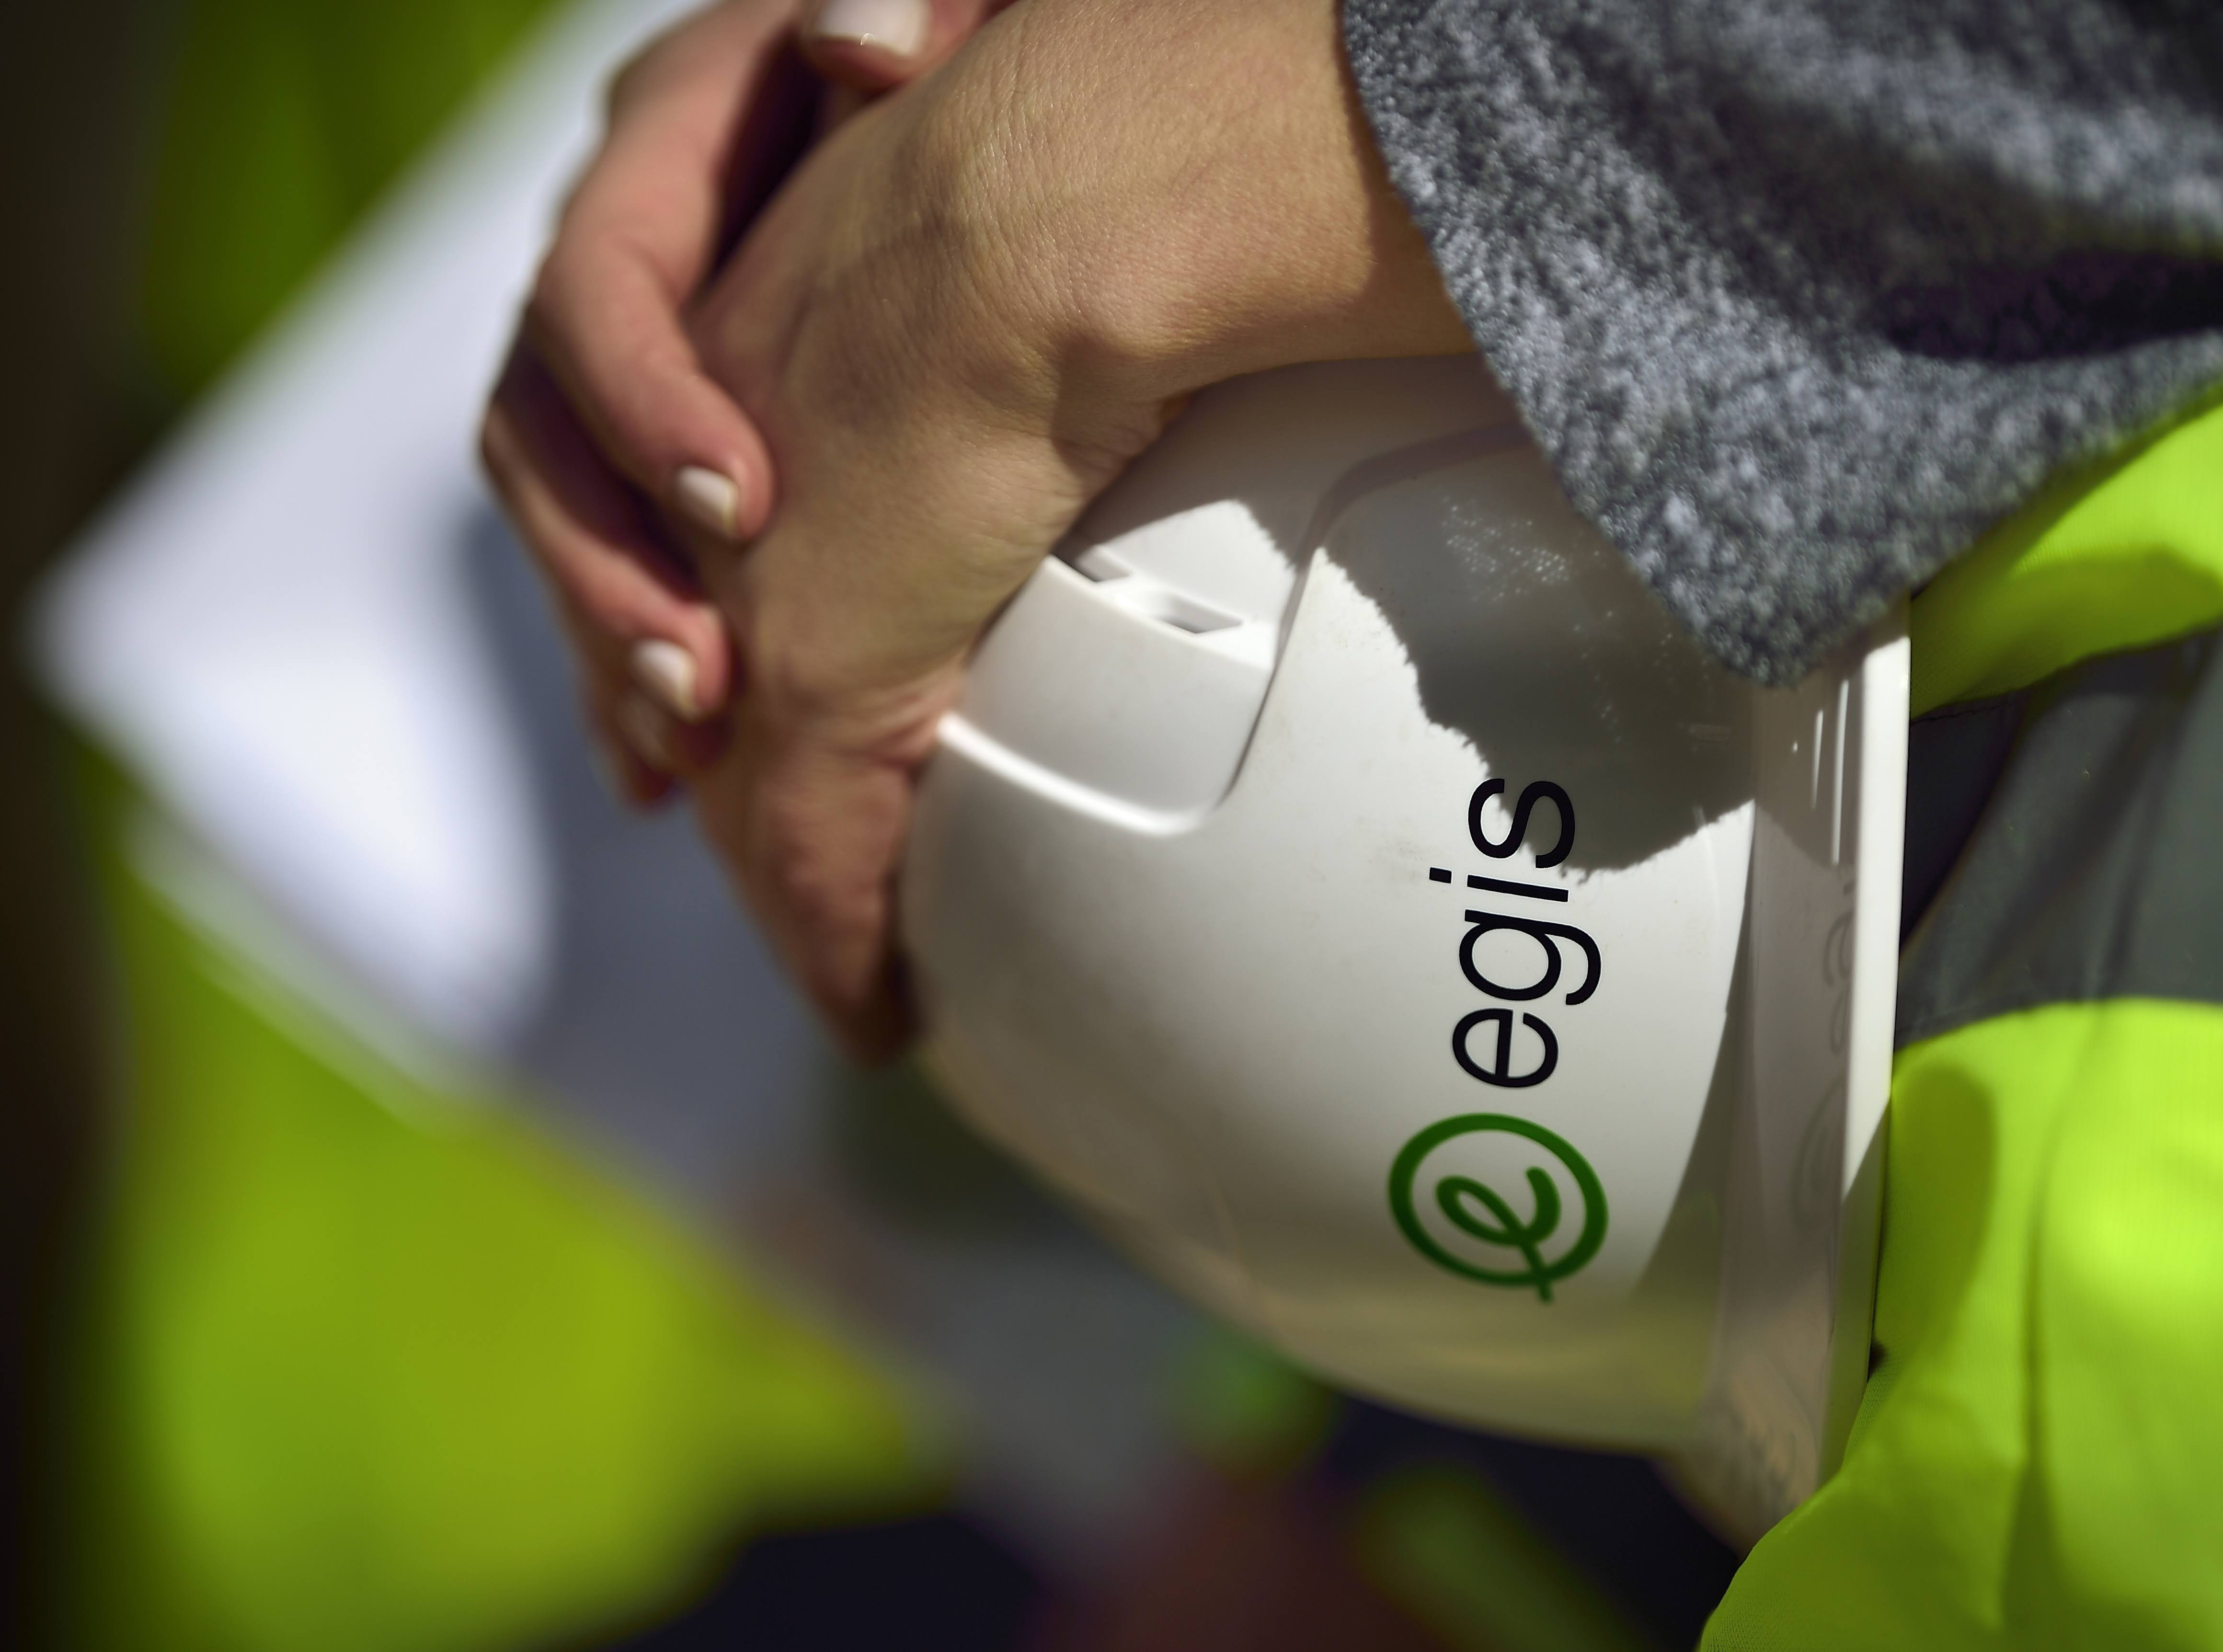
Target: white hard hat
{"x":1344,"y":881}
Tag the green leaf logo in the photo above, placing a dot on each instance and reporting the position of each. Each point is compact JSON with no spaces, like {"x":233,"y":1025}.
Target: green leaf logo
{"x":1483,"y":1213}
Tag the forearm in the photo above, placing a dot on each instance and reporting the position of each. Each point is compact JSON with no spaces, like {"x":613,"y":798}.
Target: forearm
{"x":1193,"y":187}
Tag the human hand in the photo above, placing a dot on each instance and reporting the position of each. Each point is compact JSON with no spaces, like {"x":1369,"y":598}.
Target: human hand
{"x":612,"y":451}
{"x":963,"y":316}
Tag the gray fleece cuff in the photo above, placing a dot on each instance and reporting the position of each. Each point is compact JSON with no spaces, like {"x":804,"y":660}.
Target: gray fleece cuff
{"x":1801,"y":296}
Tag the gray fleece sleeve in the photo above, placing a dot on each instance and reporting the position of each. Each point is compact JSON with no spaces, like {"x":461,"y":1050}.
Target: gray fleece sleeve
{"x":1801,"y":296}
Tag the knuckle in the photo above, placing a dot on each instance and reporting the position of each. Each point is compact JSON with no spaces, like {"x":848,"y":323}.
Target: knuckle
{"x":627,"y":84}
{"x":819,"y":897}
{"x":597,"y":589}
{"x":848,"y":707}
{"x":637,"y":79}
{"x":807,"y":673}
{"x":794,"y":684}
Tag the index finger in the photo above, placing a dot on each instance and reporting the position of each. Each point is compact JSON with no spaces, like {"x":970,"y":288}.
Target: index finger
{"x":702,"y":124}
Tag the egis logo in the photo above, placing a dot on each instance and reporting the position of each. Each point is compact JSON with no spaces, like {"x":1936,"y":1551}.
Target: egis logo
{"x":1481,"y":1221}
{"x":1446,"y":1187}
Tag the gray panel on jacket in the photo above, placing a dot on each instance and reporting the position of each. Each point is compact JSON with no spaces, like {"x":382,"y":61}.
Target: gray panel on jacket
{"x":2095,"y":870}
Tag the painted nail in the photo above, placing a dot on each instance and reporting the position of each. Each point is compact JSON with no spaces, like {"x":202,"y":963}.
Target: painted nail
{"x":666,"y":672}
{"x":899,"y":27}
{"x":711,"y":499}
{"x":642,"y":724}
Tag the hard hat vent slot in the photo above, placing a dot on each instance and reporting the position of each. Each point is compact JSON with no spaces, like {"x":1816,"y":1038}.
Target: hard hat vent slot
{"x":1182,"y":613}
{"x":1099,"y":565}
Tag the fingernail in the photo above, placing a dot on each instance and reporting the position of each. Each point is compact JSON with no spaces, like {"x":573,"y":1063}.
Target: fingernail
{"x":711,"y":499}
{"x":642,"y":724}
{"x":667,"y":673}
{"x":897,"y":26}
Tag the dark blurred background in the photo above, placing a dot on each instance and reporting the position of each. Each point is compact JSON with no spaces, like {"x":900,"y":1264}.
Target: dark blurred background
{"x":76,"y":118}
{"x":153,"y":222}
{"x":171,"y":174}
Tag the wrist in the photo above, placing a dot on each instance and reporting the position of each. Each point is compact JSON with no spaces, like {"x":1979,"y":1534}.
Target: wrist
{"x":1209,"y":202}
